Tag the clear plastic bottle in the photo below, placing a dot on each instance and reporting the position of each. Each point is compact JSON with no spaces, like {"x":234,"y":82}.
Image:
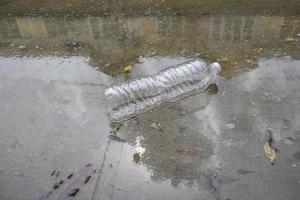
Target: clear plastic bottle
{"x":137,"y":96}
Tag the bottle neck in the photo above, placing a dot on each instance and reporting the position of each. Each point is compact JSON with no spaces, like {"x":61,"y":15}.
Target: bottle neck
{"x":215,"y":68}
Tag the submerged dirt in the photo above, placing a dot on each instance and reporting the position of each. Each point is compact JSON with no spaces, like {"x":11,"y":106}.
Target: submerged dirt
{"x":53,"y":71}
{"x":146,"y":7}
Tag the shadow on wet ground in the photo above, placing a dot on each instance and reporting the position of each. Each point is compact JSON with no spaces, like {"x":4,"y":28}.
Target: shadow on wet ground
{"x":53,"y":72}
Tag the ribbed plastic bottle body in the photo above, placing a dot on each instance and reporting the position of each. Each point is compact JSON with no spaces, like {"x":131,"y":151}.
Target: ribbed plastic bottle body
{"x":137,"y":96}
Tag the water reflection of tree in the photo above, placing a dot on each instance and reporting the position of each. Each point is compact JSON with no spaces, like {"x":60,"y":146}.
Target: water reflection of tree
{"x":112,"y":42}
{"x":177,"y":152}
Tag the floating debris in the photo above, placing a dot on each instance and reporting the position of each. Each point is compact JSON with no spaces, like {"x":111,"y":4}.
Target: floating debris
{"x":72,"y":43}
{"x":290,"y":39}
{"x":136,"y":157}
{"x":116,"y":127}
{"x":156,"y":125}
{"x":56,"y":185}
{"x":270,"y":151}
{"x":64,"y":189}
{"x":68,"y":177}
{"x":53,"y":173}
{"x":213,"y":88}
{"x":127,"y":68}
{"x":222,"y":59}
{"x":74,"y":192}
{"x":61,"y":181}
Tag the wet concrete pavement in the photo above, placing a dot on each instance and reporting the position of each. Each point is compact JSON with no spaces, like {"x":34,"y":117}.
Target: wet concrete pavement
{"x":53,"y":72}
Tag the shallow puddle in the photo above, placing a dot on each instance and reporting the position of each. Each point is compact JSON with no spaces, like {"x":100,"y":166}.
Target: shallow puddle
{"x":53,"y":72}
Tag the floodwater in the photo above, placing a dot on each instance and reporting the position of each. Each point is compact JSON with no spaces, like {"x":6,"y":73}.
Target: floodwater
{"x":53,"y":72}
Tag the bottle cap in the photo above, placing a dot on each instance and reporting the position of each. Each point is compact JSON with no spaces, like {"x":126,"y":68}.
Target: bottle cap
{"x":216,"y":67}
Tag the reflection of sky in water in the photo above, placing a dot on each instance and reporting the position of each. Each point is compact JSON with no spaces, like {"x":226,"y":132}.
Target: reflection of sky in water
{"x":138,"y":147}
{"x":259,"y":97}
{"x":52,"y":68}
{"x":192,"y":143}
{"x":111,"y":43}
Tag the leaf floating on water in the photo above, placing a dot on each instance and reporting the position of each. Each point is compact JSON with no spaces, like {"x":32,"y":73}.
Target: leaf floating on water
{"x":136,"y":157}
{"x":127,"y":68}
{"x":270,"y":151}
{"x":156,"y":125}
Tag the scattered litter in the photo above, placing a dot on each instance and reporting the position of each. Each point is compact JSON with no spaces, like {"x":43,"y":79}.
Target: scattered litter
{"x":72,"y":43}
{"x":53,"y":172}
{"x":87,"y":179}
{"x":22,"y":47}
{"x":55,"y":185}
{"x":290,"y":39}
{"x":294,"y":165}
{"x":140,"y":95}
{"x":116,"y":127}
{"x":270,"y":151}
{"x":61,"y":181}
{"x":74,"y":192}
{"x":249,"y":61}
{"x":156,"y":125}
{"x":222,"y":59}
{"x":298,"y":34}
{"x":136,"y":157}
{"x":127,"y":68}
{"x":69,"y":187}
